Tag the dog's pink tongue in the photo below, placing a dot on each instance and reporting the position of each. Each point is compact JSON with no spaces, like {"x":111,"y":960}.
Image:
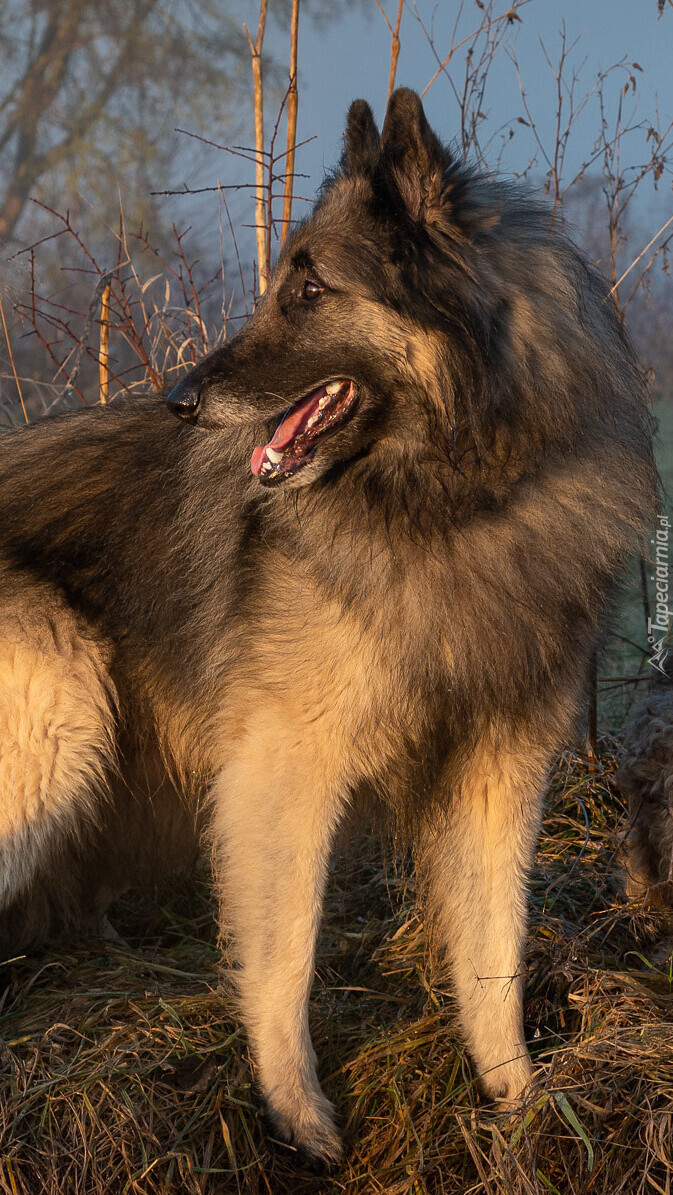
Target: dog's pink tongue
{"x":257,"y":460}
{"x":286,"y":431}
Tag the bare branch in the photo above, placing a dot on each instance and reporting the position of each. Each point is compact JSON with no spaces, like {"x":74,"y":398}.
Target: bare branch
{"x":641,"y":254}
{"x":510,"y":16}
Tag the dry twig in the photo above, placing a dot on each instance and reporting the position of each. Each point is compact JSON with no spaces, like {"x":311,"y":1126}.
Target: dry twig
{"x":103,"y":353}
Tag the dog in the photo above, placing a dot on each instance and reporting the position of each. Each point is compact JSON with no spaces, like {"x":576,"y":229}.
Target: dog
{"x":364,"y":551}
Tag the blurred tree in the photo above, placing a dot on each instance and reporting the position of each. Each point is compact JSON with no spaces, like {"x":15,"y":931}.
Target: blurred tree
{"x":92,"y":95}
{"x":92,"y":91}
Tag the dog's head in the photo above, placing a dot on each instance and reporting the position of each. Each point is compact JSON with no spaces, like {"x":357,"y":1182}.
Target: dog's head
{"x":351,"y":322}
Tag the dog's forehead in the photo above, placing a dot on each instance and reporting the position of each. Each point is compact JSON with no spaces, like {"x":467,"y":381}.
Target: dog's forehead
{"x":336,"y":237}
{"x":338,"y":261}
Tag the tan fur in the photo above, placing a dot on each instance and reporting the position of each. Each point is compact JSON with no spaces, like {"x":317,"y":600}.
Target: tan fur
{"x":56,"y":715}
{"x":308,"y":722}
{"x":414,"y":349}
{"x":275,"y":824}
{"x":475,"y":862}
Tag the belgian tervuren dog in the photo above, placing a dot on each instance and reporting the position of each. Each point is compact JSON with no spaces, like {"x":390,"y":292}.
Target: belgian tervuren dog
{"x":373,"y":555}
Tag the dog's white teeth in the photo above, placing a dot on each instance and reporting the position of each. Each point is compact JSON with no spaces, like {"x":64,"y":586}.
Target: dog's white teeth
{"x":314,"y":418}
{"x":333,"y":388}
{"x":273,"y":456}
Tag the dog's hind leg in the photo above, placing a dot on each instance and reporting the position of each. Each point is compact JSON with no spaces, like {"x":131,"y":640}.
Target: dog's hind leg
{"x":275,"y":820}
{"x":474,"y":860}
{"x":56,"y":741}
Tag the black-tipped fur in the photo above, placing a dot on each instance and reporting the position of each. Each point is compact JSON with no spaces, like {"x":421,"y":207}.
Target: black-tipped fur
{"x":363,"y":143}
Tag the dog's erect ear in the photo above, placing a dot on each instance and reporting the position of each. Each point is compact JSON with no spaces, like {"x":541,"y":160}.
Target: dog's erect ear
{"x":412,"y":156}
{"x":363,"y":142}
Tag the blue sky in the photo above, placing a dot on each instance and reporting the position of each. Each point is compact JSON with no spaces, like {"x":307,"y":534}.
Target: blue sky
{"x":349,"y":56}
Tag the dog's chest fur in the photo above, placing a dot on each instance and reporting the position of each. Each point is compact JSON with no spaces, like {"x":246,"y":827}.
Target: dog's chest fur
{"x":362,"y":685}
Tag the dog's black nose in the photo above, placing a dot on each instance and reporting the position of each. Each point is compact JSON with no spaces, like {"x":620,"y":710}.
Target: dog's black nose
{"x":184,"y":400}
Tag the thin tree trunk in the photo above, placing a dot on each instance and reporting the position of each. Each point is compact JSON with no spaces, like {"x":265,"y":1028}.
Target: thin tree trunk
{"x":39,"y":88}
{"x":260,"y":209}
{"x":292,"y":105}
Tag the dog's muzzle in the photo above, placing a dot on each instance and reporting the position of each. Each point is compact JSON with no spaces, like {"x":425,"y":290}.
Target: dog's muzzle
{"x":184,"y":400}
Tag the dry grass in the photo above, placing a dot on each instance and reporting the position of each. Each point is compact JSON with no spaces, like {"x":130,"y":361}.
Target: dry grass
{"x":125,"y":1071}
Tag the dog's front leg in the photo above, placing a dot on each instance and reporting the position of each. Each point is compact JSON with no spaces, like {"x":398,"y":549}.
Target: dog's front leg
{"x":275,"y":819}
{"x":475,"y":858}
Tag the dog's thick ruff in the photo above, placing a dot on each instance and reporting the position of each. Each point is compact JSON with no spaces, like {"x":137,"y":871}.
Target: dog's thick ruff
{"x":451,"y":458}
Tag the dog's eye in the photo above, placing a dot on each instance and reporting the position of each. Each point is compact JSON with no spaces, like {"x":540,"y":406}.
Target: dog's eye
{"x":311,"y":290}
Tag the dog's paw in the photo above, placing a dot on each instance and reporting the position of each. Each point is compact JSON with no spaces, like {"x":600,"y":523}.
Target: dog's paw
{"x":312,"y":1131}
{"x":506,"y":1085}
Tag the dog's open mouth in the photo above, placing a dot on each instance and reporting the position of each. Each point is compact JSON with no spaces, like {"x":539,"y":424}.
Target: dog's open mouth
{"x":293,"y":442}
